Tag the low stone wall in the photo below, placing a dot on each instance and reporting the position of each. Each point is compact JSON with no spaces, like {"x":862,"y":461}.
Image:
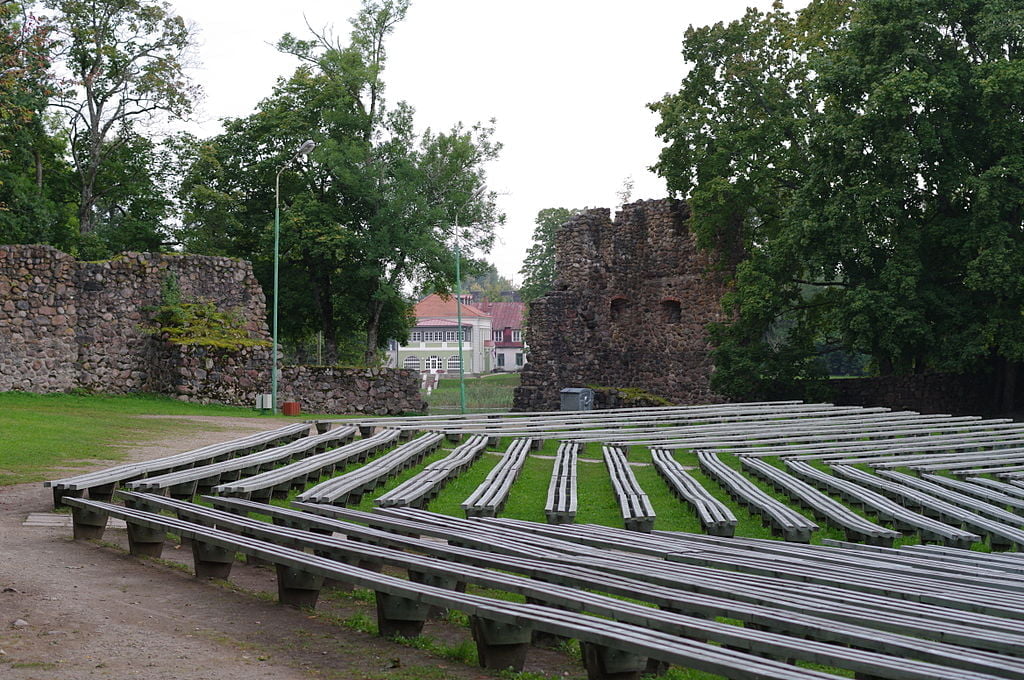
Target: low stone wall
{"x":373,"y":391}
{"x":926,"y":393}
{"x":66,"y":324}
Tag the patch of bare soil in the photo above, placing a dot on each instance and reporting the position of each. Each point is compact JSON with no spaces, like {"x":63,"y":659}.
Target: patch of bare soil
{"x":88,"y":610}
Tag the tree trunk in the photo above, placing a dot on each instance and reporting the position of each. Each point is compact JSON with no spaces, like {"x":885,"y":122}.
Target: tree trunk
{"x":376,"y":307}
{"x":325,"y":304}
{"x":39,"y":169}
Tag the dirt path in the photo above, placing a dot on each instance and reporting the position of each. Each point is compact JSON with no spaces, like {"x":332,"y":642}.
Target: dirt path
{"x":93,"y":611}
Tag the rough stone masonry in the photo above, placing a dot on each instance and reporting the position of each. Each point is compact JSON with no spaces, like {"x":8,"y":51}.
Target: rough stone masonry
{"x":628,"y":309}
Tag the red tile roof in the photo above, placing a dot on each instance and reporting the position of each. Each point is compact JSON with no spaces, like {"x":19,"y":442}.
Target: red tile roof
{"x":435,"y":306}
{"x":504,"y":314}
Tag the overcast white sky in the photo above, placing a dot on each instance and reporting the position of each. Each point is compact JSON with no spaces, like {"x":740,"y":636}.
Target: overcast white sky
{"x":567,"y":80}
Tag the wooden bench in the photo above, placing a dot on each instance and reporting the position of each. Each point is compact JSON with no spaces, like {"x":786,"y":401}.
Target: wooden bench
{"x":562,"y":502}
{"x":200,"y":479}
{"x":902,"y":519}
{"x":1010,"y":489}
{"x":775,"y":633}
{"x":418,"y":490}
{"x":490,"y":496}
{"x":950,"y":495}
{"x":715,"y":517}
{"x":279,"y":481}
{"x":982,"y":492}
{"x":636,"y":509}
{"x":782,"y":519}
{"x":350,"y":487}
{"x":101,"y":484}
{"x":502,"y":630}
{"x":1001,"y":536}
{"x":824,"y":508}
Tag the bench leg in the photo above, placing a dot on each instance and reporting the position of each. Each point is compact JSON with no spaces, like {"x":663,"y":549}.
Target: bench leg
{"x":400,"y":616}
{"x":500,"y":645}
{"x":60,"y":494}
{"x":212,"y":561}
{"x":605,"y":663}
{"x":145,"y":542}
{"x":88,"y":524}
{"x":297,"y":588}
{"x":103,"y":493}
{"x":438,"y":581}
{"x":322,"y":428}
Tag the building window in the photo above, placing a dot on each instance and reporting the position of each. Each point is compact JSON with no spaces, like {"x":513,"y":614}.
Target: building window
{"x":519,"y":358}
{"x":453,"y":362}
{"x":501,"y":360}
{"x":467,"y":333}
{"x":412,"y":363}
{"x":498,"y":336}
{"x":671,"y":311}
{"x":517,"y":335}
{"x":619,"y":307}
{"x":416,"y":336}
{"x":433,"y":362}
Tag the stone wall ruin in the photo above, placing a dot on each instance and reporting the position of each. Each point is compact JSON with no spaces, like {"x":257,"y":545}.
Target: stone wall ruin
{"x":628,"y":309}
{"x":66,"y":324}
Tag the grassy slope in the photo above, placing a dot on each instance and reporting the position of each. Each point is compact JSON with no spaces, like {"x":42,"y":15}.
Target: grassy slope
{"x":40,"y":433}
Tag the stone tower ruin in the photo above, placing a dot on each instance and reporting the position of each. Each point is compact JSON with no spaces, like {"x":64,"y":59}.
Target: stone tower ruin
{"x":628,"y":309}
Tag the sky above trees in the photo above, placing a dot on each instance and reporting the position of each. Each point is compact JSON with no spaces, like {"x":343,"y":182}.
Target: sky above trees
{"x":568,"y":83}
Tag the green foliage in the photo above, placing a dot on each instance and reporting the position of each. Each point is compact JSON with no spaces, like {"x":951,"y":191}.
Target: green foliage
{"x":861,"y":163}
{"x":369,"y":215}
{"x":632,"y":396}
{"x":486,"y":393}
{"x":201,"y":323}
{"x":538,"y":270}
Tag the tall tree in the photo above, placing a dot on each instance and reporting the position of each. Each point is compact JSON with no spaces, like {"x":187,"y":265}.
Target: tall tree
{"x":126,"y":60}
{"x":33,"y":175}
{"x":861,"y":158}
{"x":374,"y":210}
{"x":538,"y":270}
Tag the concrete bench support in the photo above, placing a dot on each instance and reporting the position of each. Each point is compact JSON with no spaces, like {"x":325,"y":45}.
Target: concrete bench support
{"x":500,"y":645}
{"x":297,"y":588}
{"x":87,"y":524}
{"x":212,"y":561}
{"x":605,"y":663}
{"x":400,"y":615}
{"x":145,"y":542}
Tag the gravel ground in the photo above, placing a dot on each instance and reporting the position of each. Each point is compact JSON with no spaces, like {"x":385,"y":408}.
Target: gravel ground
{"x":86,"y":610}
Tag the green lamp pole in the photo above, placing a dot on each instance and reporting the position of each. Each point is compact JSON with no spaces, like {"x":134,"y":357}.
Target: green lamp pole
{"x":460,"y":333}
{"x":303,"y":150}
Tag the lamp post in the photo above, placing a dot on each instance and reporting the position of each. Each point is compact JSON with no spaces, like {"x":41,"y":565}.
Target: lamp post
{"x":458,"y":311}
{"x":303,"y":150}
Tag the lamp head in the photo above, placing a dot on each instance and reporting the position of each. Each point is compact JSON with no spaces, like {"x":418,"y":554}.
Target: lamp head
{"x":306,"y":147}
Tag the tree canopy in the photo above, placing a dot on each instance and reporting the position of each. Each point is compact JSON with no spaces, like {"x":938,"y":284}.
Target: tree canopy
{"x":377,"y":209}
{"x":538,"y":270}
{"x":865,"y":160}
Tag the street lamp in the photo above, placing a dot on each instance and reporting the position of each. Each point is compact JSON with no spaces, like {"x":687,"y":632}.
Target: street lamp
{"x":302,"y":151}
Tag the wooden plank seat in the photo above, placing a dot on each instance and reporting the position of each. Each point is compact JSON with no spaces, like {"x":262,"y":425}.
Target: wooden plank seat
{"x":279,"y":481}
{"x":949,"y":494}
{"x":823,"y":507}
{"x":1007,"y":487}
{"x":502,"y":630}
{"x":715,"y":516}
{"x":954,"y":461}
{"x":635,"y":507}
{"x":1001,"y":536}
{"x":893,"y":447}
{"x":200,"y":479}
{"x":418,"y":490}
{"x":782,"y":519}
{"x":951,"y":559}
{"x":902,"y":519}
{"x":101,"y":484}
{"x":438,"y":568}
{"x":350,"y":487}
{"x":926,"y":619}
{"x":490,"y":496}
{"x":562,"y":501}
{"x":982,"y":492}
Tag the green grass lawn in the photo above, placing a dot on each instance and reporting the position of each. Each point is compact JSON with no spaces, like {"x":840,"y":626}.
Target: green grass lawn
{"x":486,"y":393}
{"x":40,"y":433}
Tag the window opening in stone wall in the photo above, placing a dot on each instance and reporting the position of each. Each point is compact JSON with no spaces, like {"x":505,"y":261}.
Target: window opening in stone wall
{"x":671,"y":311}
{"x":453,"y":362}
{"x":618,"y":308}
{"x":412,"y":363}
